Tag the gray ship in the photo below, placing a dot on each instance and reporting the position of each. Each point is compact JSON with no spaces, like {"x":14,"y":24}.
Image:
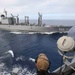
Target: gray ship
{"x":12,"y":24}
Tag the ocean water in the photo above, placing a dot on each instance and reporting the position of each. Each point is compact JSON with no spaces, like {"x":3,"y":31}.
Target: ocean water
{"x":26,"y":48}
{"x":53,"y":22}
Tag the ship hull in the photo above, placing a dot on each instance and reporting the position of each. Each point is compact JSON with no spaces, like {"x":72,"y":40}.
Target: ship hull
{"x":24,"y":28}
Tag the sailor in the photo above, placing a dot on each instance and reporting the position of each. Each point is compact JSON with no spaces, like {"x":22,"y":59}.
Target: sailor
{"x":43,"y":64}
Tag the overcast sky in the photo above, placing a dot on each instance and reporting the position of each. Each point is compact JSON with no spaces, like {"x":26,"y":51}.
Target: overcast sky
{"x":50,"y":9}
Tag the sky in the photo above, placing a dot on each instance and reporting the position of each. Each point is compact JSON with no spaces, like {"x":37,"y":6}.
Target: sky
{"x":50,"y":9}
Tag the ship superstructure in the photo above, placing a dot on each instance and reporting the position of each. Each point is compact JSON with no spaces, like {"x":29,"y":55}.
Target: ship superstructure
{"x":12,"y":24}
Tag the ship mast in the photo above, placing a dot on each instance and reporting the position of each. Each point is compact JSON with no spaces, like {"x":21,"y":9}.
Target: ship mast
{"x":5,"y":13}
{"x":39,"y":19}
{"x":17,"y":18}
{"x":26,"y":20}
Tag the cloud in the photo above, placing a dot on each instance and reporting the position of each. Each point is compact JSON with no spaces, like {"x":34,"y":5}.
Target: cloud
{"x":6,"y":3}
{"x":32,"y":7}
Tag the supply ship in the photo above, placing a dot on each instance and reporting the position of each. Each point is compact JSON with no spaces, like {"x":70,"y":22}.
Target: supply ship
{"x":12,"y":24}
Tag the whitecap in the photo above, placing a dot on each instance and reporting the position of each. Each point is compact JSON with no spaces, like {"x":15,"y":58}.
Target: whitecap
{"x":11,"y":52}
{"x":16,"y":32}
{"x":20,"y":58}
{"x":31,"y":59}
